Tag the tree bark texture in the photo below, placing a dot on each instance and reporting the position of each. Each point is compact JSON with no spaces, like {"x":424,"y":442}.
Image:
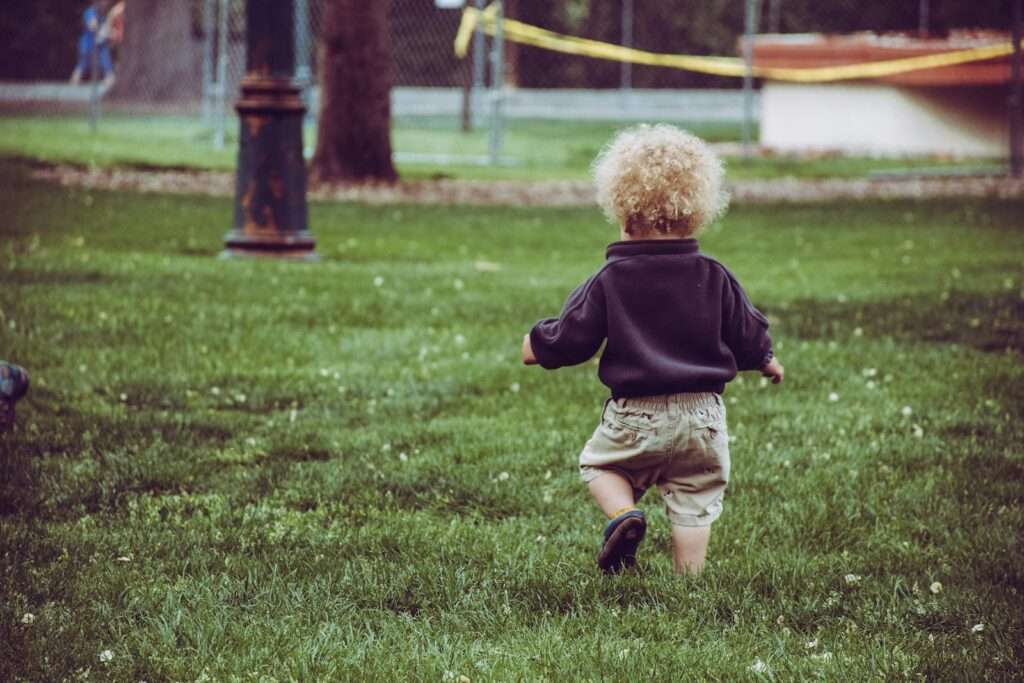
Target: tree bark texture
{"x":354,"y":125}
{"x":159,"y":59}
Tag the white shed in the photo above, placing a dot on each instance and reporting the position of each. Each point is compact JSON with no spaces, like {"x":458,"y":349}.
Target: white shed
{"x":959,"y":110}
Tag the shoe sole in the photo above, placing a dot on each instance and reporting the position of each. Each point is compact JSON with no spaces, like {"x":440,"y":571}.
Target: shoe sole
{"x":619,"y":551}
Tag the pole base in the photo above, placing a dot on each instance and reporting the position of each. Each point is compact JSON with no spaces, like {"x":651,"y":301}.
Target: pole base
{"x":293,"y":247}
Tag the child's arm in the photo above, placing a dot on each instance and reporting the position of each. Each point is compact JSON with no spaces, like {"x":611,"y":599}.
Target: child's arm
{"x":745,"y":332}
{"x":574,"y":336}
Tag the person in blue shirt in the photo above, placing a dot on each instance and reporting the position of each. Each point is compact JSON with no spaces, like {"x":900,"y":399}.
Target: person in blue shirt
{"x":90,"y":42}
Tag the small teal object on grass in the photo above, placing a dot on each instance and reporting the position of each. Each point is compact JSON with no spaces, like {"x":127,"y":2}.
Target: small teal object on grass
{"x":13,"y":385}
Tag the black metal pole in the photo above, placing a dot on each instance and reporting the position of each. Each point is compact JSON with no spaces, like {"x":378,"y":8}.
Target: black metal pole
{"x":270,"y":187}
{"x":1016,"y":97}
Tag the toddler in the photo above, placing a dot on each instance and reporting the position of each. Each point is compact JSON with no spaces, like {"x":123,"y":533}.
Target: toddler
{"x":676,"y":327}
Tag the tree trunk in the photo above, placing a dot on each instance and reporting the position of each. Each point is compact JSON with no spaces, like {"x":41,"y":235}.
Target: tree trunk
{"x":354,"y":129}
{"x":159,"y":60}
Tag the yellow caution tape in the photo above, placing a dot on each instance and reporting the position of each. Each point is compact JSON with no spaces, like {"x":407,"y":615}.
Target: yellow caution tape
{"x":527,"y":34}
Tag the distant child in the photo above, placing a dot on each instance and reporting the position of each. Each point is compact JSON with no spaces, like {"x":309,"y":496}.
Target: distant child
{"x":90,"y":42}
{"x":676,"y":326}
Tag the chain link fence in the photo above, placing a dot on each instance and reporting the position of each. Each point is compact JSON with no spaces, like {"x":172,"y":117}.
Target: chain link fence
{"x":181,"y":62}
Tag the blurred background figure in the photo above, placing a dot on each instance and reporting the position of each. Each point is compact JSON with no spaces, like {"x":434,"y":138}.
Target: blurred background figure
{"x":112,"y":31}
{"x":93,"y":40}
{"x":13,"y":385}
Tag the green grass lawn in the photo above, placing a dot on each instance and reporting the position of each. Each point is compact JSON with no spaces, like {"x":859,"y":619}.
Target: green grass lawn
{"x":256,"y":471}
{"x":426,"y":147}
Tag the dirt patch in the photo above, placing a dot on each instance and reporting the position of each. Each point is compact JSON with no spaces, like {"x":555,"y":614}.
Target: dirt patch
{"x":531,"y":193}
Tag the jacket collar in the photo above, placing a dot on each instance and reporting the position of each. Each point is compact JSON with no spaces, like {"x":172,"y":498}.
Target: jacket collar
{"x":651,"y":247}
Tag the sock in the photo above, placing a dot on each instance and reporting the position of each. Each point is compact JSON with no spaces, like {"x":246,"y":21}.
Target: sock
{"x":622,"y":511}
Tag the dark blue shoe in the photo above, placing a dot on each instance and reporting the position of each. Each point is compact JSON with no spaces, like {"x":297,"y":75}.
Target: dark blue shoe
{"x":622,"y":536}
{"x":13,"y":385}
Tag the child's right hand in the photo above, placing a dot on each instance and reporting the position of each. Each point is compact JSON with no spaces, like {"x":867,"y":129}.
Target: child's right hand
{"x":528,"y":357}
{"x":774,"y":370}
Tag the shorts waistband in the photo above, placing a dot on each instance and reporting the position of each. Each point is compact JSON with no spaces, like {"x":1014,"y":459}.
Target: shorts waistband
{"x":685,"y":400}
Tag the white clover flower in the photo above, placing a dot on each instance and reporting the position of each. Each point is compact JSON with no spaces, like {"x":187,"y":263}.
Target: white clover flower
{"x":460,"y":340}
{"x":759,"y":667}
{"x":404,"y":457}
{"x":503,"y":476}
{"x":378,"y":281}
{"x":487,"y":266}
{"x":811,"y":644}
{"x":833,"y":397}
{"x":28,"y":618}
{"x":514,"y":388}
{"x":852,"y":579}
{"x":106,"y":656}
{"x":870,"y":384}
{"x":935,"y":588}
{"x":907,"y":411}
{"x":977,"y":628}
{"x":858,"y":332}
{"x":869,"y":372}
{"x":917,"y":431}
{"x":458,"y":284}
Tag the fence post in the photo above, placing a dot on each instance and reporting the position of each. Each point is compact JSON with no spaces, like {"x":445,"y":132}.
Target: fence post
{"x":479,"y":66}
{"x":627,"y":41}
{"x":1017,"y":97}
{"x":303,"y":52}
{"x":748,"y":77}
{"x":222,"y":74}
{"x":497,"y":86}
{"x":209,"y":28}
{"x":94,"y":94}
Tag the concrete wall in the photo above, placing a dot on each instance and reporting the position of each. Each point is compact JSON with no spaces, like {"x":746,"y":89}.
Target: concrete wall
{"x":881,"y":119}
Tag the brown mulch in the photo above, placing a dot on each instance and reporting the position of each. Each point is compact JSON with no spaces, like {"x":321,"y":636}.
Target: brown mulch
{"x":532,"y":193}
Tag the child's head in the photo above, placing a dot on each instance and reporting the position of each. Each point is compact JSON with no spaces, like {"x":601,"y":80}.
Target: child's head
{"x":659,"y":180}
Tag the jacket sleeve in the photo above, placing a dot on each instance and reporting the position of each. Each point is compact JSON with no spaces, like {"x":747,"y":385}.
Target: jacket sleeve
{"x":575,"y":335}
{"x":744,"y":328}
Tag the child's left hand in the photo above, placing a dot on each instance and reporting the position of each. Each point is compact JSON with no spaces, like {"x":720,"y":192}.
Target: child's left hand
{"x":528,"y":357}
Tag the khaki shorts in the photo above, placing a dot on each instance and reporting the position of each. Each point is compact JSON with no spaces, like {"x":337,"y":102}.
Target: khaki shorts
{"x":676,"y":442}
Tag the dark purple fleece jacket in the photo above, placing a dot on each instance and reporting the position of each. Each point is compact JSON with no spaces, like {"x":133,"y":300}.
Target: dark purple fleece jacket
{"x":674,"y":319}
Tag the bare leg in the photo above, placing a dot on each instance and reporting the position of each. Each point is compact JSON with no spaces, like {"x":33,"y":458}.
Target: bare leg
{"x":613,"y":494}
{"x":689,"y":548}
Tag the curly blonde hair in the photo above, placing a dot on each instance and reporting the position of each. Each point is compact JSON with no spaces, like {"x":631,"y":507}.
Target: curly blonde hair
{"x":659,"y":179}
